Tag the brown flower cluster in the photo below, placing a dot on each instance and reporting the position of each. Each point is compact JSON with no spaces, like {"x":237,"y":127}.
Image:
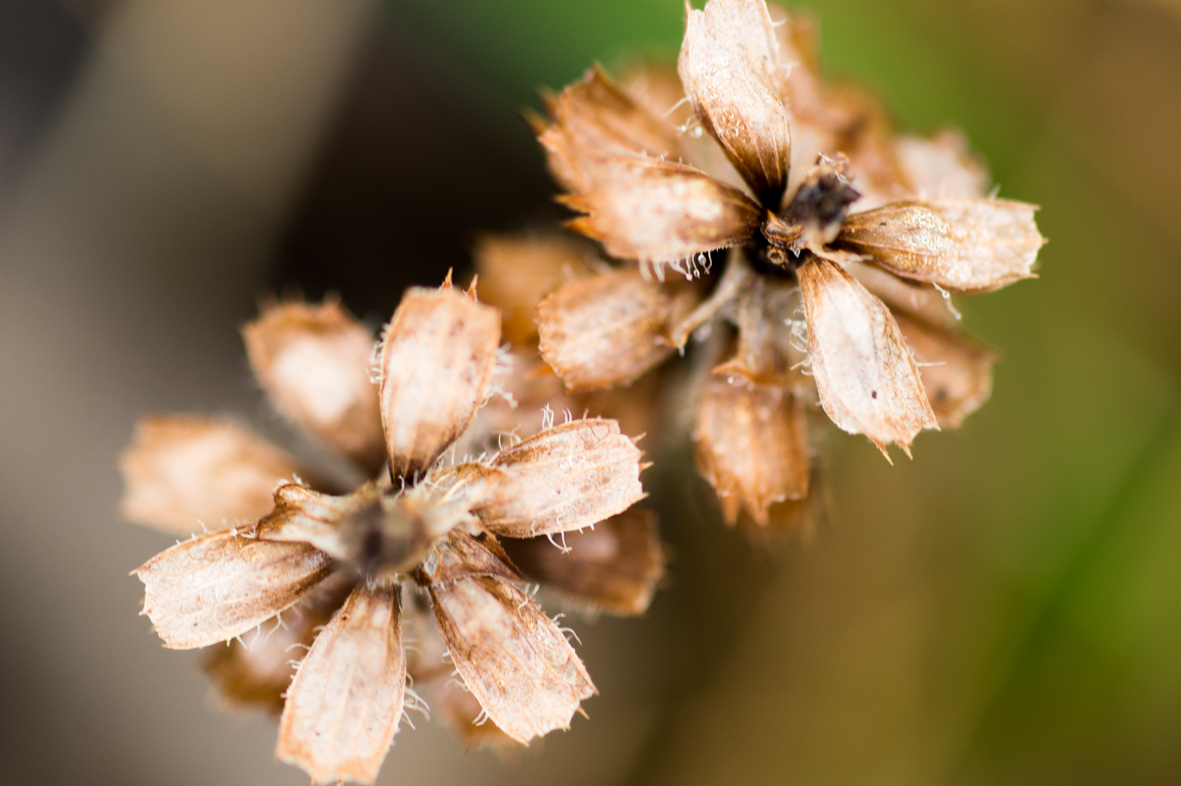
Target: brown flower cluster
{"x":845,"y":242}
{"x":353,"y":578}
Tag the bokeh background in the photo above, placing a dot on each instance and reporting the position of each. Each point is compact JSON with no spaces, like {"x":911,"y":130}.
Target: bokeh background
{"x":1003,"y":609}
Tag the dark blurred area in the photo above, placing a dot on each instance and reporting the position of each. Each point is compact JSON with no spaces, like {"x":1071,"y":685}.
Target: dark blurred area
{"x":1003,"y":609}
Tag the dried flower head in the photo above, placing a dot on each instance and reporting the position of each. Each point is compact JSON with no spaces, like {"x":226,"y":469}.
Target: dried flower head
{"x":353,"y":577}
{"x":845,"y":242}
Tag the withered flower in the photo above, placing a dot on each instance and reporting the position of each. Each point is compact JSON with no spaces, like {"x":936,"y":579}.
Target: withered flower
{"x":841,"y":245}
{"x":354,"y":578}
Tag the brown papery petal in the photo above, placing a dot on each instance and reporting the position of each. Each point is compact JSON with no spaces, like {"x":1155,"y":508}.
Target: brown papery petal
{"x":941,"y":166}
{"x":967,"y":244}
{"x":866,"y":377}
{"x":657,"y":87}
{"x":181,"y":470}
{"x":459,"y":710}
{"x":565,"y":478}
{"x":512,"y":657}
{"x":662,"y":212}
{"x":460,"y":555}
{"x":921,"y":301}
{"x":256,"y":671}
{"x":212,"y":588}
{"x":608,"y":330}
{"x":593,"y":119}
{"x":793,"y":520}
{"x":313,"y":362}
{"x":613,"y":567}
{"x":732,"y":74}
{"x":752,"y":445}
{"x":956,"y":372}
{"x":433,"y":675}
{"x":345,"y":703}
{"x":437,"y":359}
{"x":799,"y":51}
{"x":516,"y":272}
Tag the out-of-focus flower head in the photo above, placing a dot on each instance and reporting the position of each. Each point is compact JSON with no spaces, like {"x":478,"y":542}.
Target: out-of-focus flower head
{"x":841,"y":243}
{"x":353,"y":578}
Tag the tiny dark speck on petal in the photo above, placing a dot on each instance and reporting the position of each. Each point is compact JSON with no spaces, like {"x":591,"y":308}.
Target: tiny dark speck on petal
{"x":874,"y":394}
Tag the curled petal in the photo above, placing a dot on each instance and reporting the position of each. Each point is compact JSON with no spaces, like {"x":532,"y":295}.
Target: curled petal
{"x":733,"y":76}
{"x":256,"y":671}
{"x":662,"y":212}
{"x":516,"y":273}
{"x":956,"y":372}
{"x":866,"y":376}
{"x":941,"y":166}
{"x":345,"y":703}
{"x":212,"y":588}
{"x":180,"y":471}
{"x":565,"y":478}
{"x":608,"y":330}
{"x":513,"y":658}
{"x":613,"y":567}
{"x":593,"y":119}
{"x":313,"y":361}
{"x":752,"y":445}
{"x":437,"y":359}
{"x":966,"y":244}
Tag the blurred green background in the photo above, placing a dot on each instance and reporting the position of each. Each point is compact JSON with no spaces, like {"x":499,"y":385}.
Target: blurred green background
{"x":1003,"y":609}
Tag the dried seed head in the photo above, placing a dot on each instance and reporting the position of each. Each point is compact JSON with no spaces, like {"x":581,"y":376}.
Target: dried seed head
{"x":345,"y":703}
{"x":965,"y":244}
{"x":613,"y":567}
{"x":437,"y":359}
{"x":956,"y":372}
{"x":610,"y":329}
{"x":752,"y":445}
{"x":593,"y":120}
{"x":313,"y":362}
{"x":866,"y":376}
{"x":732,"y":74}
{"x":565,"y":478}
{"x":513,"y":658}
{"x":662,"y":212}
{"x":182,"y":470}
{"x":515,"y":273}
{"x":434,"y":530}
{"x":214,"y":587}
